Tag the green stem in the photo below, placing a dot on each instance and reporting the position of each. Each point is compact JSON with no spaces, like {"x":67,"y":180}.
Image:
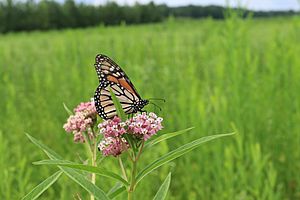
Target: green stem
{"x":132,"y":182}
{"x":88,"y":146}
{"x":122,"y":168}
{"x":93,"y":148}
{"x":129,"y":197}
{"x":133,"y":173}
{"x":140,"y":151}
{"x":94,"y":162}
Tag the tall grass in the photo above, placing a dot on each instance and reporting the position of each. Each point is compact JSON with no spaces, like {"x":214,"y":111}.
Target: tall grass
{"x":215,"y":75}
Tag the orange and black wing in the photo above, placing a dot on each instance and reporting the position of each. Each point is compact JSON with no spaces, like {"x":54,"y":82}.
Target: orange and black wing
{"x":108,"y":70}
{"x":112,"y":76}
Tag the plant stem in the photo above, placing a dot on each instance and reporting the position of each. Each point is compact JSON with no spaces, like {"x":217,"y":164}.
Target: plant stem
{"x":122,"y":168}
{"x":140,"y":151}
{"x":129,"y":196}
{"x":93,"y":147}
{"x":94,"y":163}
{"x":133,"y":173}
{"x":132,"y":182}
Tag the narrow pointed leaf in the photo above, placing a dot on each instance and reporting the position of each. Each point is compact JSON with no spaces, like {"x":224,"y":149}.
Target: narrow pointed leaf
{"x":67,"y":109}
{"x":118,"y":106}
{"x":43,"y":186}
{"x":122,"y":115}
{"x":74,"y":175}
{"x":85,"y":183}
{"x":50,"y":153}
{"x":116,"y":190}
{"x":87,"y":168}
{"x":176,"y":153}
{"x":165,"y":137}
{"x":163,"y":190}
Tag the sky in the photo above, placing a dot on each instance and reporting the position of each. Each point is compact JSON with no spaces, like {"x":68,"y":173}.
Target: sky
{"x":251,"y":4}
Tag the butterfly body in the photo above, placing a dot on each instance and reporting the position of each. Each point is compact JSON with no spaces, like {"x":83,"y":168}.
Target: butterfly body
{"x":111,"y":76}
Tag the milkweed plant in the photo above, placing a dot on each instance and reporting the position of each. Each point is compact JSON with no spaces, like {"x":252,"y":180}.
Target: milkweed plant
{"x":124,"y":135}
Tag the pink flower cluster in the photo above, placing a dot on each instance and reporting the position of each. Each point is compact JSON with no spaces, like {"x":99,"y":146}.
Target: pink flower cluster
{"x":113,"y":143}
{"x":78,"y":122}
{"x":112,"y":128}
{"x":142,"y":126}
{"x":113,"y":146}
{"x":88,"y":108}
{"x":81,"y":121}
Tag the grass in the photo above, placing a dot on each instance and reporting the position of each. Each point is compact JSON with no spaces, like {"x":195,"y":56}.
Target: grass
{"x":218,"y":76}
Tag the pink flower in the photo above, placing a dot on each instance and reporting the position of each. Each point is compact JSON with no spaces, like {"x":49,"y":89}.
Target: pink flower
{"x":112,"y":127}
{"x":77,"y":122}
{"x":78,"y":137}
{"x":86,"y":107}
{"x":113,"y":146}
{"x":81,"y":121}
{"x":144,"y":126}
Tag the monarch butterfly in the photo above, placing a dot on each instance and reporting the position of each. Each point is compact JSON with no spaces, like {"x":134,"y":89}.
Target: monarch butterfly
{"x":111,"y":75}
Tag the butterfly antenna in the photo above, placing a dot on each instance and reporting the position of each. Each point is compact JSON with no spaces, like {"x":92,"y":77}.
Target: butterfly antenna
{"x":159,"y":99}
{"x":156,"y":106}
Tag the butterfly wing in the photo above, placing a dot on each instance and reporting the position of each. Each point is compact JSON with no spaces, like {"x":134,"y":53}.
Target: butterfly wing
{"x":108,"y":70}
{"x":104,"y":103}
{"x":111,"y":75}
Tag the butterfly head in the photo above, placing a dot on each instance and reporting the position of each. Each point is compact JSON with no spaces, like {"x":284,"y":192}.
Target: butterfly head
{"x":145,"y":102}
{"x":142,"y":103}
{"x":139,"y":105}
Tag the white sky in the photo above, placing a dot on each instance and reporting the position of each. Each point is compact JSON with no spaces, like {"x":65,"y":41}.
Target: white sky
{"x":251,"y":4}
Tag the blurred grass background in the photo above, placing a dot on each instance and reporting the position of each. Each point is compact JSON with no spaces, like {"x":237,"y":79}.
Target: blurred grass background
{"x":219,"y":76}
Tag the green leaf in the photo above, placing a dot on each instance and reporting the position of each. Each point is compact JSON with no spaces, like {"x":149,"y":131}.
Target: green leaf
{"x":43,"y":186}
{"x":50,"y":153}
{"x":123,"y":117}
{"x":67,"y":109}
{"x":131,"y":142}
{"x":74,"y":175}
{"x":176,"y":153}
{"x":116,"y":190}
{"x":87,"y":168}
{"x":165,"y":137}
{"x":118,"y":106}
{"x":163,"y":190}
{"x":86,"y":184}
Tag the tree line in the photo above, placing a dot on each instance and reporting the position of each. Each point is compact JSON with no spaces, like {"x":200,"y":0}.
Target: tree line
{"x":49,"y":14}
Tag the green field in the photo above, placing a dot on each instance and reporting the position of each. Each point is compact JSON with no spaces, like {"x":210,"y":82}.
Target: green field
{"x":219,"y":76}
